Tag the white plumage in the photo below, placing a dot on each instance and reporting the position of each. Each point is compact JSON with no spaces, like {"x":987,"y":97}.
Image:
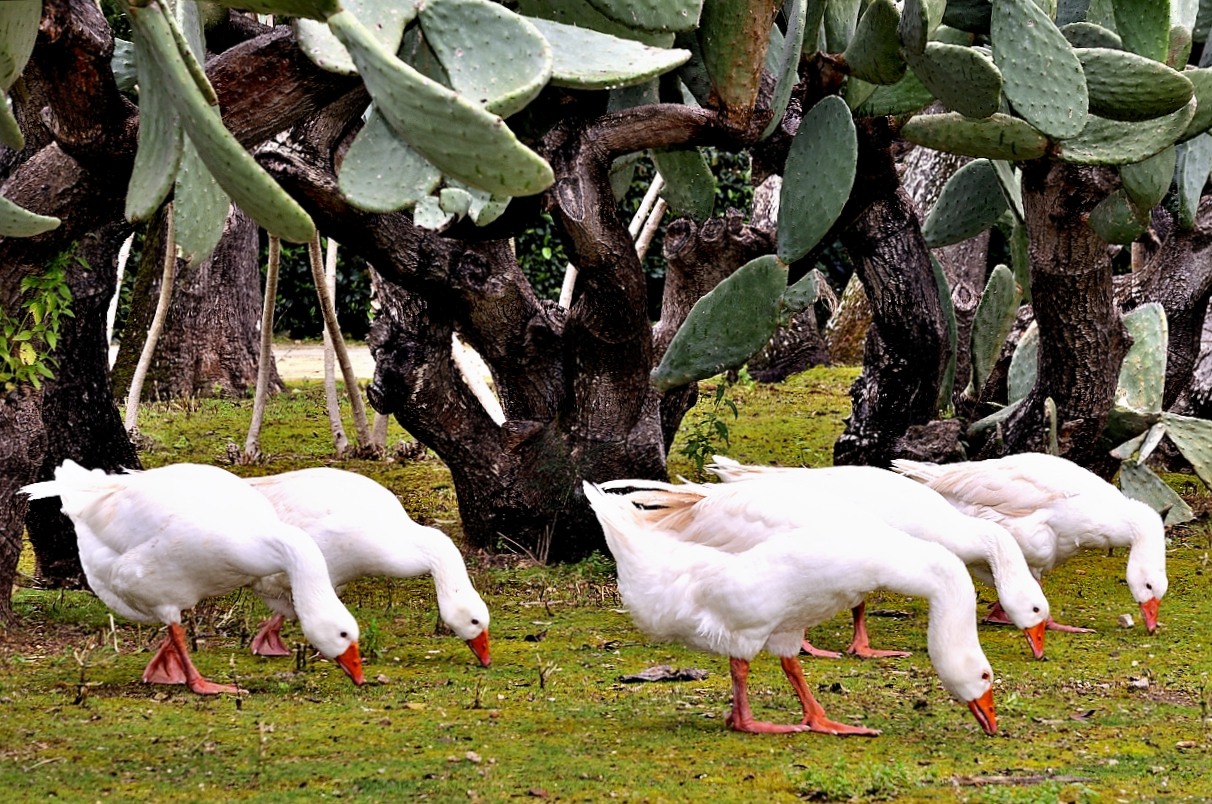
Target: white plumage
{"x":798,"y":497}
{"x":737,"y":604}
{"x":1053,"y":508}
{"x":156,"y":542}
{"x":362,"y":529}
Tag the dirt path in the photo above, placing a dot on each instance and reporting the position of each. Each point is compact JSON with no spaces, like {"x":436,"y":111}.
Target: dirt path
{"x":305,"y":361}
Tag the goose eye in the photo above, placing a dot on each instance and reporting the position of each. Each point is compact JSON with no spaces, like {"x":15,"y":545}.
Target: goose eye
{"x":985,"y":676}
{"x":1035,"y":609}
{"x":1149,"y":586}
{"x":344,"y":635}
{"x":474,"y":621}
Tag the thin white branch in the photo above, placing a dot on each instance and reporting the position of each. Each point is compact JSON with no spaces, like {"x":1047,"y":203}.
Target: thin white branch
{"x":157,"y":324}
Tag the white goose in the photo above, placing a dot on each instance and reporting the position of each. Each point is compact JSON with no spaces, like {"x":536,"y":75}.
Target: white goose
{"x":736,"y":604}
{"x":156,"y":542}
{"x":795,"y":497}
{"x":1053,"y":508}
{"x":362,"y":529}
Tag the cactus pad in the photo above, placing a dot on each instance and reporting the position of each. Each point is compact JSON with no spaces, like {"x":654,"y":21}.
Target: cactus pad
{"x":312,"y":9}
{"x":1125,"y":86}
{"x":200,"y":207}
{"x":1144,"y":25}
{"x":726,"y":326}
{"x":689,"y":183}
{"x":1117,"y":220}
{"x":586,"y":59}
{"x":382,"y":173}
{"x":1201,"y":80}
{"x":387,"y":19}
{"x":1148,"y":182}
{"x":970,"y":202}
{"x":904,"y":97}
{"x":1142,"y":376}
{"x":1193,"y":437}
{"x":17,"y":221}
{"x":817,"y":178}
{"x":964,"y":79}
{"x":467,"y":37}
{"x":1087,"y":34}
{"x":652,"y":15}
{"x":993,"y":321}
{"x":160,"y":142}
{"x":1194,"y":163}
{"x":1112,"y":142}
{"x":733,"y":36}
{"x":1139,"y":482}
{"x":874,"y":53}
{"x":1024,"y":365}
{"x":786,"y":67}
{"x":460,"y":138}
{"x":999,"y":136}
{"x":1042,"y":76}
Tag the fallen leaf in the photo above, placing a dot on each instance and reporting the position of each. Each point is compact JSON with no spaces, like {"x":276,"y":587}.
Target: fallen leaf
{"x":663,"y":672}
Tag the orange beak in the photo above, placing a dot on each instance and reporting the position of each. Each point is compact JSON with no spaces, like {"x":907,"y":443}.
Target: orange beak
{"x":982,"y":708}
{"x":1149,"y":610}
{"x":351,"y":662}
{"x":1035,"y":638}
{"x":479,"y":646}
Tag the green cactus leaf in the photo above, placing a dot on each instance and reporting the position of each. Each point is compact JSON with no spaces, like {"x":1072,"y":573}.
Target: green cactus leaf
{"x":999,"y":136}
{"x":1142,"y":376}
{"x":1144,"y":26}
{"x":814,"y":20}
{"x":947,"y":386}
{"x":1042,"y":76}
{"x":874,"y":52}
{"x":1087,"y":34}
{"x":455,"y":201}
{"x":123,"y":64}
{"x":312,"y":9}
{"x":383,"y":173}
{"x":970,"y":202}
{"x":459,"y":137}
{"x":18,"y":30}
{"x":10,"y":129}
{"x":856,"y":91}
{"x":840,"y":24}
{"x":1194,"y":164}
{"x":733,"y":36}
{"x":978,"y":430}
{"x":1100,"y":12}
{"x":817,"y":178}
{"x":1148,"y":182}
{"x":1024,"y":365}
{"x":428,"y":214}
{"x":484,"y":208}
{"x":160,"y":141}
{"x":585,"y":15}
{"x":787,"y":67}
{"x":1201,"y":80}
{"x":586,"y":59}
{"x":962,"y":78}
{"x":919,"y":18}
{"x":1125,"y":86}
{"x":652,"y":15}
{"x":1114,"y":142}
{"x":200,"y":207}
{"x":1203,"y":21}
{"x":804,"y":292}
{"x":689,"y":182}
{"x":465,"y":36}
{"x":904,"y":97}
{"x":969,"y":15}
{"x":1180,"y":47}
{"x":17,"y":221}
{"x":1193,"y":437}
{"x":236,"y":171}
{"x":1068,"y":11}
{"x":1117,"y":220}
{"x":1012,"y":187}
{"x":993,"y":321}
{"x":1138,"y":482}
{"x":386,"y":19}
{"x":726,"y":326}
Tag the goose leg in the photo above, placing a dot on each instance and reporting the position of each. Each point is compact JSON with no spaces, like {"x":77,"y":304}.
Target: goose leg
{"x":1053,"y":625}
{"x":172,"y":665}
{"x":814,"y":713}
{"x":741,"y":716}
{"x":812,"y":650}
{"x":997,"y":616}
{"x":268,"y":641}
{"x":860,"y":646}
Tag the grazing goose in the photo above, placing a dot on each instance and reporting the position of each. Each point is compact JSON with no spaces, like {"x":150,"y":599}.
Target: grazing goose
{"x":1053,"y":508}
{"x":736,"y":604}
{"x":362,"y":529}
{"x":796,"y":496}
{"x":156,"y":542}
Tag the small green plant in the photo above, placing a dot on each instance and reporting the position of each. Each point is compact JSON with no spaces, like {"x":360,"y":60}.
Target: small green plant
{"x":30,"y":338}
{"x":845,"y":781}
{"x":371,"y":639}
{"x":709,"y":429}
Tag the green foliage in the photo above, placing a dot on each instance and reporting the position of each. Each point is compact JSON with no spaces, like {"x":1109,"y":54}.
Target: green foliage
{"x":851,"y":781}
{"x":28,"y":341}
{"x":297,"y":310}
{"x":707,"y":432}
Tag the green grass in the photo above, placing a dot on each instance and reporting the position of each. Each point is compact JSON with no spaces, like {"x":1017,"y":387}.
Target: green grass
{"x":551,"y":717}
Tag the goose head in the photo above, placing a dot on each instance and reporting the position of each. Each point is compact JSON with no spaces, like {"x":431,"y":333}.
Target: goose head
{"x":1147,"y":562}
{"x":467,"y":616}
{"x":335,"y":634}
{"x":968,"y":677}
{"x":1026,"y":606}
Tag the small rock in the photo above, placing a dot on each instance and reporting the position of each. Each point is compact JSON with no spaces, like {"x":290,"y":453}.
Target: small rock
{"x":1126,"y":621}
{"x":1140,"y":683}
{"x":472,"y":756}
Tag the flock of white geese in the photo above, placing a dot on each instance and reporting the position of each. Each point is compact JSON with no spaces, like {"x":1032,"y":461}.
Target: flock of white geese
{"x":731,"y":568}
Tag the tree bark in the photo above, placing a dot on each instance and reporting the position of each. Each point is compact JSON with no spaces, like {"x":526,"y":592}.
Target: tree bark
{"x":907,"y":341}
{"x":22,"y":446}
{"x":210,"y":342}
{"x":81,"y":421}
{"x":1082,"y":340}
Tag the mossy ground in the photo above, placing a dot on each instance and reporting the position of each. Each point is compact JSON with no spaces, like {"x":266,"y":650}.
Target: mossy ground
{"x":1113,"y":716}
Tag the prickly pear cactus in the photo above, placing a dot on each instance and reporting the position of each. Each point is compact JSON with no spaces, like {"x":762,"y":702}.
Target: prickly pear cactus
{"x":817,"y":178}
{"x":971,"y":201}
{"x":994,"y":319}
